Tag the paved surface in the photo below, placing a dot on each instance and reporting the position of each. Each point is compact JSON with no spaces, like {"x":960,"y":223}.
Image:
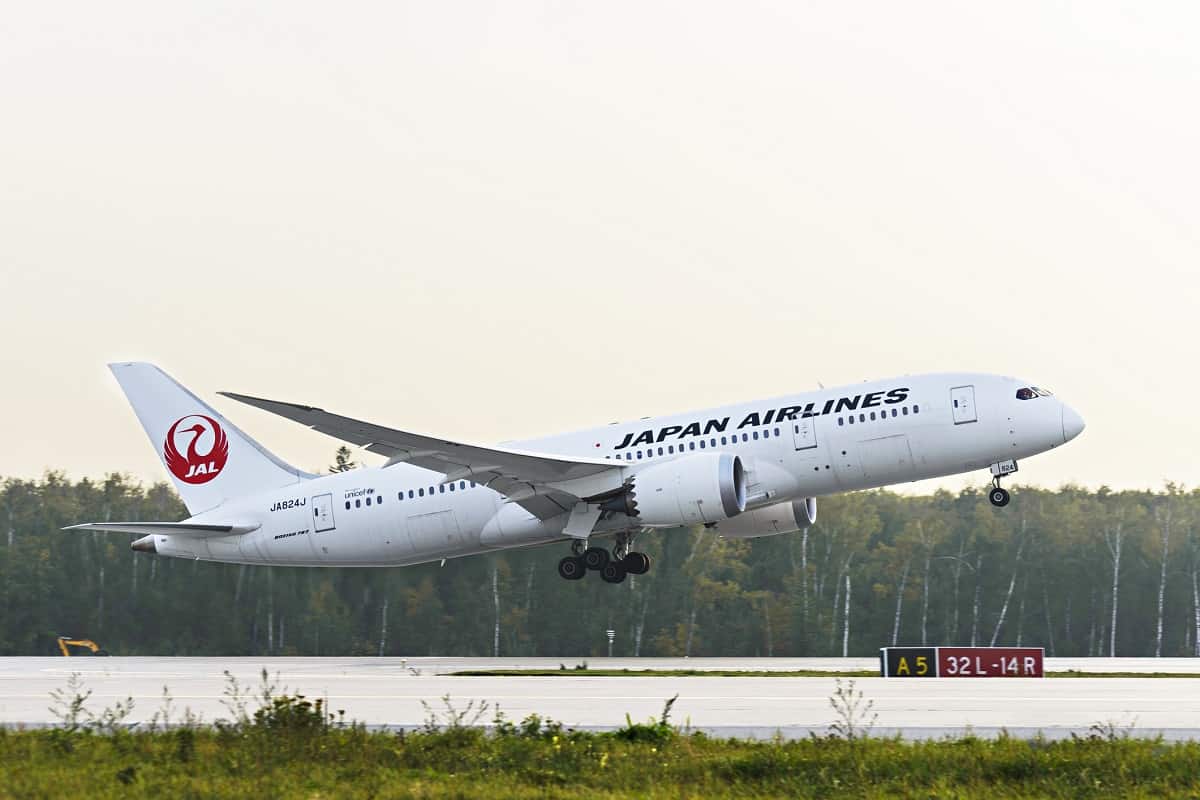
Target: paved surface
{"x":388,"y":692}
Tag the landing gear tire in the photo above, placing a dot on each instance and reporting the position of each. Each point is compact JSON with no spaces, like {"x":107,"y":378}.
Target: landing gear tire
{"x":571,"y":568}
{"x":999,"y":497}
{"x":612,"y":572}
{"x":595,"y":557}
{"x":636,"y":563}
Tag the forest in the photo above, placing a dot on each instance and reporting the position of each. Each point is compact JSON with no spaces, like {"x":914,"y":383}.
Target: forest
{"x":1077,"y":571}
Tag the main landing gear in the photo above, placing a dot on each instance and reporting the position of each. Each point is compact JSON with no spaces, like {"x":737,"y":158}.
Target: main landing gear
{"x":612,"y":568}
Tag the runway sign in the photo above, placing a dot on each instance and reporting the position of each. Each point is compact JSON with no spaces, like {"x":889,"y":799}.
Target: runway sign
{"x":961,"y":662}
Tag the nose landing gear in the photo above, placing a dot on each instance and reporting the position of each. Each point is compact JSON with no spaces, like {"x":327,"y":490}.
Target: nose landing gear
{"x":997,"y":496}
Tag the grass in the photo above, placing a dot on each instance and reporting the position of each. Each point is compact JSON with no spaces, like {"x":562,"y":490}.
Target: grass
{"x":292,"y":747}
{"x":540,"y":760}
{"x":734,"y":673}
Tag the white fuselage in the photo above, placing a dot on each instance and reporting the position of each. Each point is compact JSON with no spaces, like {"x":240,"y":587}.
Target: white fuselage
{"x":800,"y":446}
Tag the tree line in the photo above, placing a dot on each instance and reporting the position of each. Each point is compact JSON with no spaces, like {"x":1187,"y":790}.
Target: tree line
{"x":1079,"y":572}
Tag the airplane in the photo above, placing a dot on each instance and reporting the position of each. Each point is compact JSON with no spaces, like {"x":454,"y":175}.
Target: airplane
{"x":747,"y":470}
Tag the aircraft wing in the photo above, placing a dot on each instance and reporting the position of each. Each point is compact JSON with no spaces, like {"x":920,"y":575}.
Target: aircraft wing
{"x":527,"y":478}
{"x":192,"y":529}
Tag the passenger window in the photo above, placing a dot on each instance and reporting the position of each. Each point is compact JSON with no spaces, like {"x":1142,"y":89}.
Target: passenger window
{"x":347,"y":505}
{"x":462,"y":485}
{"x":701,"y":444}
{"x":670,"y":448}
{"x":745,"y":437}
{"x":358,"y":503}
{"x":905,"y":411}
{"x":379,"y":500}
{"x":777,"y":432}
{"x":916,"y":409}
{"x":895,"y":413}
{"x":872,"y":416}
{"x":691,"y":445}
{"x":850,"y":419}
{"x":410,"y":494}
{"x":421,"y":492}
{"x":452,"y":487}
{"x":723,"y":440}
{"x":755,"y":435}
{"x":862,"y":417}
{"x":639,"y":454}
{"x":660,"y":451}
{"x":629,"y":456}
{"x":841,"y":422}
{"x":442,"y":489}
{"x":368,"y":501}
{"x":472,"y":484}
{"x":712,"y":442}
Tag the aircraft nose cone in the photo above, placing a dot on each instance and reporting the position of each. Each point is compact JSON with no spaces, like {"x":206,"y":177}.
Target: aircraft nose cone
{"x":1072,"y":423}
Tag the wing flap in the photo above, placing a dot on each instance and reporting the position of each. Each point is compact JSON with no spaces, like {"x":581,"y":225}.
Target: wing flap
{"x":190,"y":529}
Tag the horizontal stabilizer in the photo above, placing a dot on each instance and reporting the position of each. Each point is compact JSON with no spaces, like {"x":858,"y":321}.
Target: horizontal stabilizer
{"x":192,"y":529}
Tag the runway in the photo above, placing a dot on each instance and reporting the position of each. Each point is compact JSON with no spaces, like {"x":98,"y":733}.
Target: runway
{"x":388,"y":693}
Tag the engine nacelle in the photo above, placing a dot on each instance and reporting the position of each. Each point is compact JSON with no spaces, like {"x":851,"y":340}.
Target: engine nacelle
{"x":696,"y":490}
{"x":771,"y":520}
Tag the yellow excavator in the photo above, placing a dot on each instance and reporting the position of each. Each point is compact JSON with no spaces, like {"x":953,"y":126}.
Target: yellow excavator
{"x":66,"y":642}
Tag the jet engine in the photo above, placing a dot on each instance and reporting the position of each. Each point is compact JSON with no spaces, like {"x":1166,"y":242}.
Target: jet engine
{"x":771,"y":520}
{"x":696,"y":490}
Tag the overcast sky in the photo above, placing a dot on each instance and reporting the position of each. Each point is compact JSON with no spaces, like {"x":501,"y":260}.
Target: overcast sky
{"x":492,"y":221}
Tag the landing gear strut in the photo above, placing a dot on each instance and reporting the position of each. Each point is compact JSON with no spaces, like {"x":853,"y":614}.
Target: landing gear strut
{"x":632,"y":562}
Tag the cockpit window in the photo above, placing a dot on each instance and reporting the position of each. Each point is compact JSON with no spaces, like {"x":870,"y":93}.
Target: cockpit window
{"x":1025,"y":393}
{"x":1043,"y":392}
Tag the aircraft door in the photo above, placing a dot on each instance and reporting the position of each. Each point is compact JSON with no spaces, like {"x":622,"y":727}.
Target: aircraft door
{"x":804,"y":433}
{"x":962,"y":404}
{"x":322,"y":506}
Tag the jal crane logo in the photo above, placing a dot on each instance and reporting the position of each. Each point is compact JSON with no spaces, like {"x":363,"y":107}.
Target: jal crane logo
{"x":206,"y":435}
